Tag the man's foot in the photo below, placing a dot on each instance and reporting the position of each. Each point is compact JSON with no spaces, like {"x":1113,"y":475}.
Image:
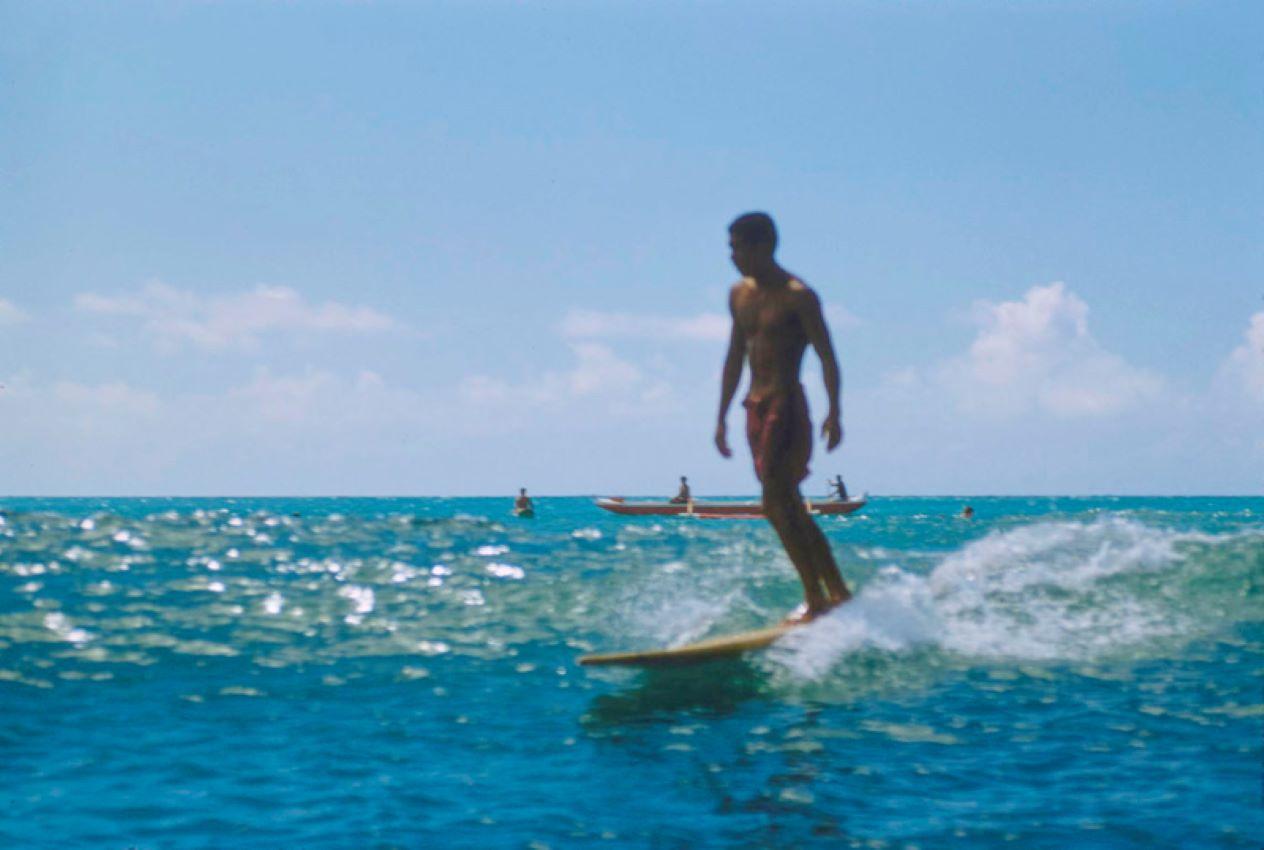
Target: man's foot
{"x":805,"y":614}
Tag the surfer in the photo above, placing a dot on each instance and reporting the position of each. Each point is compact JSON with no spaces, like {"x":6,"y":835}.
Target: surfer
{"x":838,"y":489}
{"x":683,"y":496}
{"x":523,"y":503}
{"x":775,"y":317}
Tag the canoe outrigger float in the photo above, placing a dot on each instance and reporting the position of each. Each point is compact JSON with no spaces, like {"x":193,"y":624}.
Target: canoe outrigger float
{"x":720,"y":510}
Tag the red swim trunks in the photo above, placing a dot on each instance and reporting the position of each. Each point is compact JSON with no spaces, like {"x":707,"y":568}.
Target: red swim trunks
{"x":780,"y":434}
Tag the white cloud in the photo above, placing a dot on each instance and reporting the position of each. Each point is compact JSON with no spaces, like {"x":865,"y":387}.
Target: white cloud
{"x":1024,"y":411}
{"x":598,"y":373}
{"x":10,"y":314}
{"x":54,"y":434}
{"x":71,"y":401}
{"x":305,"y":432}
{"x":1037,"y":354}
{"x":704,"y":327}
{"x":840,"y":317}
{"x":1244,"y":368}
{"x":318,"y":431}
{"x":585,"y":324}
{"x":599,"y":370}
{"x":327,"y":402}
{"x":175,"y":316}
{"x":113,"y":398}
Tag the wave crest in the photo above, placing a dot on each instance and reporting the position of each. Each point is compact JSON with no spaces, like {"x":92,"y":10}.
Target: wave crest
{"x":1074,"y":591}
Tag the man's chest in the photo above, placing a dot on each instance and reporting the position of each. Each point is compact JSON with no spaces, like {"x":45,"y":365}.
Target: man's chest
{"x":760,"y":315}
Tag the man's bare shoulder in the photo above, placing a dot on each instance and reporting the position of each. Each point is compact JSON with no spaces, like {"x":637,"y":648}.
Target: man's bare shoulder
{"x":741,"y":291}
{"x":802,"y":293}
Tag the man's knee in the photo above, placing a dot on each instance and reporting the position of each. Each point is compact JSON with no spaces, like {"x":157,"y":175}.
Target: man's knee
{"x":781,"y":499}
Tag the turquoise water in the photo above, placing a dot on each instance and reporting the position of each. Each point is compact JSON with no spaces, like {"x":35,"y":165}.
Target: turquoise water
{"x":401,"y":673}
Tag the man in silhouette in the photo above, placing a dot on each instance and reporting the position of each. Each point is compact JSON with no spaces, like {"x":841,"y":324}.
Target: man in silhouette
{"x":775,"y":317}
{"x":683,"y":496}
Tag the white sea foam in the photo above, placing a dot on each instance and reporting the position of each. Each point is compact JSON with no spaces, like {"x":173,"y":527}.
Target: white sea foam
{"x":678,"y":620}
{"x":1047,"y":591}
{"x":506,"y":571}
{"x":362,"y":598}
{"x":60,"y":625}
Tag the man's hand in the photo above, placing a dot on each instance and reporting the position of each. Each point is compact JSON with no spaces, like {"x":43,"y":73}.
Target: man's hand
{"x":722,"y":439}
{"x":832,"y":430}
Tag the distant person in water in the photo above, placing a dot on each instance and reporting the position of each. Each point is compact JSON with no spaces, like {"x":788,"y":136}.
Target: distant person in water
{"x":838,"y":489}
{"x":967,"y":512}
{"x":683,"y":496}
{"x":523,"y":502}
{"x":775,"y":317}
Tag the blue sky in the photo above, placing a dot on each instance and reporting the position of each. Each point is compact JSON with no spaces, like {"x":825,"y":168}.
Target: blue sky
{"x":457,"y":248}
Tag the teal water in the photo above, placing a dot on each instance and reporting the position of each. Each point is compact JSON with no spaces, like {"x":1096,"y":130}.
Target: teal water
{"x":401,"y":673}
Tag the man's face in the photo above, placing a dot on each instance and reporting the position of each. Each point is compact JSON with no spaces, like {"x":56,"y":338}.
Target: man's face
{"x":748,"y":257}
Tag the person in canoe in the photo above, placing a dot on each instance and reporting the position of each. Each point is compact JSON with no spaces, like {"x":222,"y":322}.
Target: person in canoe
{"x":775,"y":317}
{"x":838,"y":489}
{"x":683,"y":496}
{"x":523,"y":506}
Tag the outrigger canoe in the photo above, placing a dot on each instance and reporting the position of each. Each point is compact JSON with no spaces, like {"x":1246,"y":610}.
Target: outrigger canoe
{"x":720,"y":510}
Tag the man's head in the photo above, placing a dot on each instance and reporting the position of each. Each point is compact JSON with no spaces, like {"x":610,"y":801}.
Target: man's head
{"x":753,"y":239}
{"x":522,"y":491}
{"x":684,"y":480}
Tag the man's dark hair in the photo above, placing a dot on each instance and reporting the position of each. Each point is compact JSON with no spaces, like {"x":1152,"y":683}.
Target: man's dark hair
{"x":754,"y":228}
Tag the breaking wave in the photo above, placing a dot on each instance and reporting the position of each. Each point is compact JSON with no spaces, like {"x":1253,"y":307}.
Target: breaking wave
{"x":1074,"y":591}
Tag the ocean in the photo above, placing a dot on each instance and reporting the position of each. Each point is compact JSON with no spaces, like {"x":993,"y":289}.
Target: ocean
{"x":380,"y":673}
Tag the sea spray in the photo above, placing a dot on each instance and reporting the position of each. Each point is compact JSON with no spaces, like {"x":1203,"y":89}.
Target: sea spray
{"x":1074,"y":591}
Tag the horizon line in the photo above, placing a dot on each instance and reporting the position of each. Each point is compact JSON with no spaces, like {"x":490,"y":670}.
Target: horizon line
{"x":511,"y":495}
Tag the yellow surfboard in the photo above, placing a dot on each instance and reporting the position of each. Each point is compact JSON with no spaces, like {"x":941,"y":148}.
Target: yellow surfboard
{"x":710,"y":649}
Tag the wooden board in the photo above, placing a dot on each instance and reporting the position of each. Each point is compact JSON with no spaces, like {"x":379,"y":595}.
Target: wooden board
{"x":718,"y":510}
{"x":710,"y":649}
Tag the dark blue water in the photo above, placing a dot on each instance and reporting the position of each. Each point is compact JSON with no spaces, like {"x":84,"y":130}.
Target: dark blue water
{"x":401,"y":673}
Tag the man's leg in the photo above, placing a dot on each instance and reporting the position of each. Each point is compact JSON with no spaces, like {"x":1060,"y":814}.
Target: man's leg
{"x":783,"y":506}
{"x":825,"y":567}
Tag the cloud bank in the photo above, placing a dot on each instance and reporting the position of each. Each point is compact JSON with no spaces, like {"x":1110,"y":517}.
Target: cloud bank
{"x":1032,"y":402}
{"x":1036,"y":355}
{"x":1244,"y":368}
{"x":175,"y":317}
{"x":10,"y":314}
{"x":588,"y":324}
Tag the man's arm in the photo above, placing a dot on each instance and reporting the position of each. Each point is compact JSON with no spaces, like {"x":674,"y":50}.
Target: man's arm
{"x":731,"y":377}
{"x":819,"y":337}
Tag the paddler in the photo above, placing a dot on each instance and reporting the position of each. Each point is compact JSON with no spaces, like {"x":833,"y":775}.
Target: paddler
{"x":838,"y":489}
{"x":775,"y":317}
{"x":683,"y":496}
{"x":523,"y":503}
